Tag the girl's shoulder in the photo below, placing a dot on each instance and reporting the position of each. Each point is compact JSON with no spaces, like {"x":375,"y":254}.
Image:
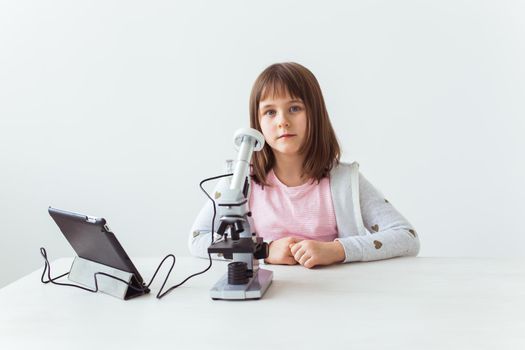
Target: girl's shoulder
{"x":344,"y":174}
{"x":345,"y":166}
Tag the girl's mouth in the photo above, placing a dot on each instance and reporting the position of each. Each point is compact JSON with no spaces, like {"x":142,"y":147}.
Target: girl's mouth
{"x":286,"y":136}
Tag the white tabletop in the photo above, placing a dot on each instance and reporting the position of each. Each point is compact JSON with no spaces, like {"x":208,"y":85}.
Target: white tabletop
{"x":406,"y":303}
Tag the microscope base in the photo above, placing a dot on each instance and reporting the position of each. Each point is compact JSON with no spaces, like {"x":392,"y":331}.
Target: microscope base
{"x":254,"y":289}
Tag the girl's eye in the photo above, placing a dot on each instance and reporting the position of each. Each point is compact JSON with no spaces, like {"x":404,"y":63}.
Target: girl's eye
{"x":269,"y":112}
{"x":295,"y":109}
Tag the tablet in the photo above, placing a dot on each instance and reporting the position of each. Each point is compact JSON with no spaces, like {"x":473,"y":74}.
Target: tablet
{"x":92,"y":239}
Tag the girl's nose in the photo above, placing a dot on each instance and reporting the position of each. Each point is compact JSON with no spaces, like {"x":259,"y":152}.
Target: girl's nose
{"x":283,"y":121}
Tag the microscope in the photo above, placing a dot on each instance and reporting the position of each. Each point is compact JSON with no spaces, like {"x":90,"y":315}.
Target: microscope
{"x":244,"y":279}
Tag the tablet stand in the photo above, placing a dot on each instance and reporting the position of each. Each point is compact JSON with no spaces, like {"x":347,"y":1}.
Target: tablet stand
{"x":83,"y":272}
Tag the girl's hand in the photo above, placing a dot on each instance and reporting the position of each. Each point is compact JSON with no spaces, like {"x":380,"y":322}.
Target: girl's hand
{"x":312,"y":253}
{"x":279,"y":251}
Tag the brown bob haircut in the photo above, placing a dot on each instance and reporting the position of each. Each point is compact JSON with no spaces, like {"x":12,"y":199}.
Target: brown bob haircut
{"x":320,"y":147}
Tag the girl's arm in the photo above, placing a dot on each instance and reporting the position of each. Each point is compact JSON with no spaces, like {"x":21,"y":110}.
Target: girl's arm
{"x":391,"y":235}
{"x":200,"y":235}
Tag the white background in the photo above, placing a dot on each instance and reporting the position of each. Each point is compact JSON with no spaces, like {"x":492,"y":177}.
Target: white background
{"x":119,"y":109}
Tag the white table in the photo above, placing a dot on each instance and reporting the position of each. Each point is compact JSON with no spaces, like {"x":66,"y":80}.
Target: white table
{"x":407,"y":303}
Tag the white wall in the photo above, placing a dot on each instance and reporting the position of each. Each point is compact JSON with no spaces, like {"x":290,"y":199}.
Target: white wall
{"x":118,"y":109}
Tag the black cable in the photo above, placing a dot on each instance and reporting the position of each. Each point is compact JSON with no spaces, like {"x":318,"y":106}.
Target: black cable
{"x":47,"y":265}
{"x":207,"y":195}
{"x":159,"y":295}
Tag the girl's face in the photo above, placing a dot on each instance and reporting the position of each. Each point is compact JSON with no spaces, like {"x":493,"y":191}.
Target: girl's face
{"x":283,"y":123}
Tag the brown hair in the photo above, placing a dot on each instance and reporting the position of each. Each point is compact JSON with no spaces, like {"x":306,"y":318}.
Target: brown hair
{"x":320,"y":147}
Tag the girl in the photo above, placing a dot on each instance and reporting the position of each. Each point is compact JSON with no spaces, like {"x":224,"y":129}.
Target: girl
{"x":311,"y":208}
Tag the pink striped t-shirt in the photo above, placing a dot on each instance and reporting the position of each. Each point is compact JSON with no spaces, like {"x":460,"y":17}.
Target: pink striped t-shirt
{"x":304,"y":211}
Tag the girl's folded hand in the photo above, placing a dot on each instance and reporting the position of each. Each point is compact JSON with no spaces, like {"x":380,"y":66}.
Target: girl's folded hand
{"x":311,"y":253}
{"x":279,"y":251}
